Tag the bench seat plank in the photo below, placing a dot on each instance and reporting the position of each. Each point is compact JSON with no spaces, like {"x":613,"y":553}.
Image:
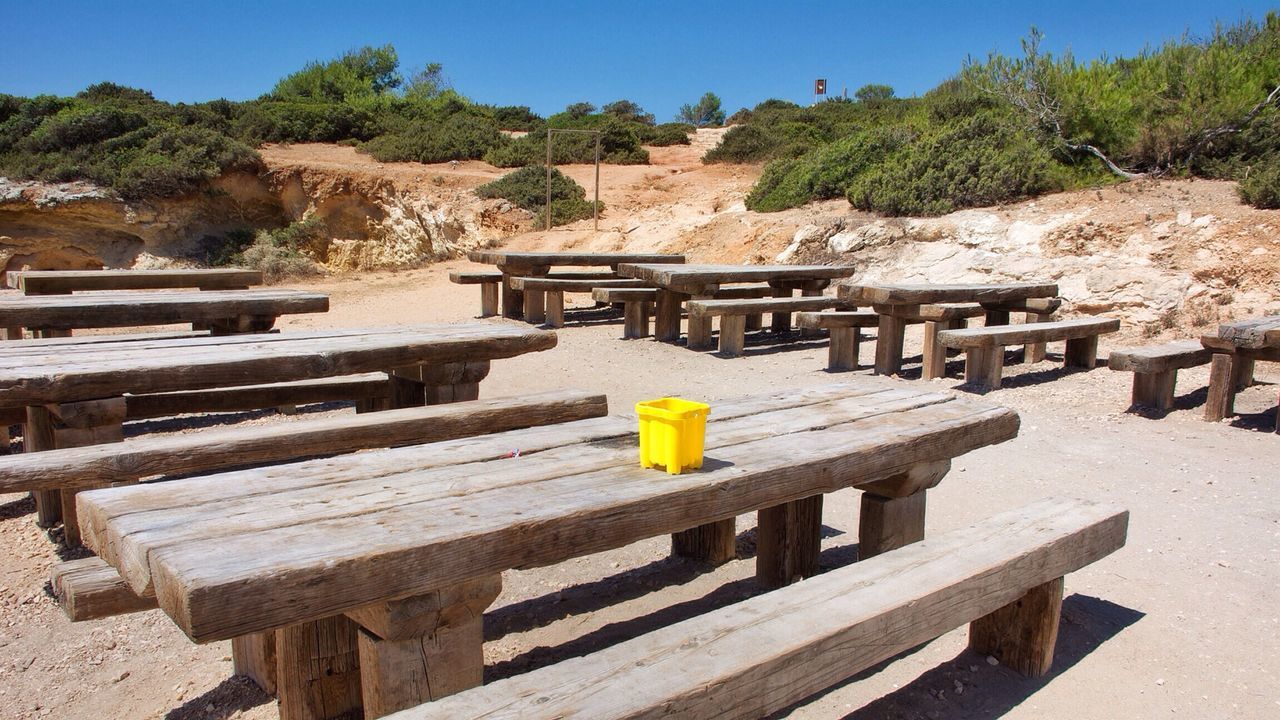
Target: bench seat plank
{"x":239,"y":446}
{"x":571,"y":285}
{"x":1001,"y":335}
{"x":56,"y":282}
{"x":711,"y":308}
{"x":1160,"y":358}
{"x":90,"y":589}
{"x":761,"y":655}
{"x":837,"y":319}
{"x":128,"y":309}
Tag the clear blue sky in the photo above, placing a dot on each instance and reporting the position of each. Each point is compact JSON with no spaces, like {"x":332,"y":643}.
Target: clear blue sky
{"x":551,"y":53}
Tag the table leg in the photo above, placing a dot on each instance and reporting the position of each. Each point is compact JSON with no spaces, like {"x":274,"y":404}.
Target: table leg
{"x":555,"y":308}
{"x":842,"y":349}
{"x":68,"y":425}
{"x":1222,"y":388}
{"x":780,"y":321}
{"x":13,"y":333}
{"x":666,"y":321}
{"x":488,"y":299}
{"x":635,"y":320}
{"x":453,"y":382}
{"x":1243,"y":373}
{"x":996,"y":317}
{"x":809,"y":332}
{"x":1034,"y":352}
{"x":889,"y":337}
{"x":318,"y":670}
{"x":935,"y":354}
{"x":788,"y":540}
{"x":254,"y":657}
{"x":535,"y":304}
{"x":715,"y":542}
{"x":512,"y":300}
{"x":425,"y":647}
{"x":892,"y":510}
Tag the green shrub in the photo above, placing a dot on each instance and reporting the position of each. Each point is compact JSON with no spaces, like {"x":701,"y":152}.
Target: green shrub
{"x":619,"y":144}
{"x":429,"y":141}
{"x":826,"y":172}
{"x":285,"y":252}
{"x":1261,"y":187}
{"x":969,"y":162}
{"x":527,"y":188}
{"x":292,"y":121}
{"x":180,"y":160}
{"x":665,"y":134}
{"x":516,"y":117}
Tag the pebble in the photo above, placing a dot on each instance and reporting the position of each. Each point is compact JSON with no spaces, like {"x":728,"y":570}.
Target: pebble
{"x":1160,"y":681}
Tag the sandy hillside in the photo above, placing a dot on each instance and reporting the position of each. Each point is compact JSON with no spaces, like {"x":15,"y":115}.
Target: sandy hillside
{"x":1180,"y":623}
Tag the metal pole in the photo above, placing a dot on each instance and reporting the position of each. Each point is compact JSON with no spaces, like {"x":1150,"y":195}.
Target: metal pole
{"x":548,"y":178}
{"x":595,"y":207}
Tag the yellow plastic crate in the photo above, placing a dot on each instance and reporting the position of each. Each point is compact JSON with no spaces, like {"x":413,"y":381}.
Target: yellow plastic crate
{"x":672,"y":432}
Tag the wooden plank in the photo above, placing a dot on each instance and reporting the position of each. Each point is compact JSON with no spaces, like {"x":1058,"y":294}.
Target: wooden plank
{"x":758,"y":656}
{"x":254,"y":657}
{"x":242,"y":446}
{"x":366,"y":386}
{"x":555,"y":308}
{"x":837,"y":319}
{"x":1154,"y":390}
{"x":886,"y":524}
{"x":1159,"y":358}
{"x":938,"y":312}
{"x":44,"y":282}
{"x":1252,"y":334}
{"x":90,"y":589}
{"x":920,"y":294}
{"x":890,"y":335}
{"x":414,"y":545}
{"x":733,"y":329}
{"x":788,"y":541}
{"x":635,"y":323}
{"x":1027,"y":333}
{"x":318,"y":670}
{"x":842,"y":350}
{"x":984,"y":366}
{"x":668,"y":276}
{"x":1081,"y":352}
{"x":128,"y":309}
{"x":489,"y":299}
{"x":195,"y":363}
{"x":1222,"y":390}
{"x":579,"y":286}
{"x":627,"y":294}
{"x":484,"y":277}
{"x":714,"y":543}
{"x":504,"y":257}
{"x":711,"y":308}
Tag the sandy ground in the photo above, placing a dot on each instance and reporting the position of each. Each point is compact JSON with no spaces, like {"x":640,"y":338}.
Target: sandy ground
{"x":1180,"y":623}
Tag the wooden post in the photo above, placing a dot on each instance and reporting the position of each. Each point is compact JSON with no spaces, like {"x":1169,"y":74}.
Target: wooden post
{"x":453,"y":382}
{"x":889,"y":338}
{"x":699,"y":332}
{"x":1021,"y":635}
{"x":13,"y":333}
{"x":935,"y":354}
{"x":318,"y":670}
{"x":997,"y":317}
{"x":512,"y":299}
{"x":886,"y":523}
{"x":781,"y":321}
{"x":1034,"y":352}
{"x":1243,"y":372}
{"x":733,"y":330}
{"x":789,"y":538}
{"x":535,"y":306}
{"x":488,"y":299}
{"x":1154,"y":390}
{"x":842,"y":351}
{"x":406,"y":388}
{"x":36,"y":436}
{"x":1082,"y":352}
{"x":755,"y":321}
{"x":715,"y":542}
{"x":983,"y":366}
{"x":1222,"y":391}
{"x":555,"y":308}
{"x":635,"y":320}
{"x":254,"y":656}
{"x":68,"y":425}
{"x":666,"y":321}
{"x":809,"y":291}
{"x":425,"y":647}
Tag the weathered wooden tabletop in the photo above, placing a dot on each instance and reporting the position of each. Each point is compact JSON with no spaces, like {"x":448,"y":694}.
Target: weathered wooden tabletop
{"x":128,"y":309}
{"x":1253,"y":334}
{"x":1236,"y":347}
{"x":576,"y":259}
{"x":53,"y":282}
{"x":922,"y":294}
{"x":67,"y":370}
{"x":682,"y":278}
{"x":243,"y":552}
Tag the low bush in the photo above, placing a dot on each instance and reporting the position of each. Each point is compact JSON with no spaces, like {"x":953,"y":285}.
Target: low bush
{"x":619,"y":144}
{"x":665,"y":134}
{"x":285,"y":252}
{"x":826,"y":172}
{"x":459,"y":137}
{"x":527,"y":188}
{"x":1261,"y":186}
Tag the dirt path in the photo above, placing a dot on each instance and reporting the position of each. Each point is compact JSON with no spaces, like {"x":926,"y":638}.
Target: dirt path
{"x":1181,"y":623}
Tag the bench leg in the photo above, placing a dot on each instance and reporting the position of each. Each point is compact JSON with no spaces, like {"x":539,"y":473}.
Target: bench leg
{"x":13,"y":333}
{"x":425,"y":647}
{"x":69,"y":425}
{"x":842,"y":350}
{"x":1082,"y":353}
{"x":635,"y":320}
{"x":318,"y":670}
{"x":983,"y":367}
{"x":535,"y":303}
{"x":1243,"y":373}
{"x":700,"y":330}
{"x":809,"y":332}
{"x":789,"y":538}
{"x":996,"y":317}
{"x":780,"y":322}
{"x":1222,"y":389}
{"x":733,"y":330}
{"x":889,"y":345}
{"x":512,"y":301}
{"x":488,"y":299}
{"x":667,"y":315}
{"x":555,"y":308}
{"x":715,"y":543}
{"x":1154,"y":390}
{"x":755,"y":321}
{"x":935,"y":354}
{"x":886,"y":523}
{"x":254,"y":656}
{"x":37,"y":434}
{"x":1034,"y":352}
{"x":1021,"y":635}
{"x":5,"y":440}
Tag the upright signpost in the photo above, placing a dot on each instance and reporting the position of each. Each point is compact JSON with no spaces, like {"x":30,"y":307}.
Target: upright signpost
{"x":595,"y":206}
{"x":819,"y":88}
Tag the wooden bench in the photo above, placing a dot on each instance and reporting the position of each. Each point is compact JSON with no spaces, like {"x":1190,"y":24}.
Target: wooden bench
{"x":491,"y":280}
{"x":1155,"y":369}
{"x":1003,"y":577}
{"x":733,"y":315}
{"x":544,"y":296}
{"x":843,"y":325}
{"x":637,"y":305}
{"x":984,"y":347}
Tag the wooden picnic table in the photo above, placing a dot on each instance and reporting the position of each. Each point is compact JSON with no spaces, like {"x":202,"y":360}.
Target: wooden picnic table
{"x":677,"y":284}
{"x":898,"y":304}
{"x":1236,"y":347}
{"x":73,"y":392}
{"x":59,"y":282}
{"x":407,"y":545}
{"x":536,"y":264}
{"x":225,"y":311}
